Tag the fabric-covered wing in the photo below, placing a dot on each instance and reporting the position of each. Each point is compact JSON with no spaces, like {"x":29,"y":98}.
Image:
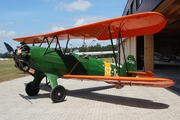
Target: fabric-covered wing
{"x":128,"y":26}
{"x":132,"y":81}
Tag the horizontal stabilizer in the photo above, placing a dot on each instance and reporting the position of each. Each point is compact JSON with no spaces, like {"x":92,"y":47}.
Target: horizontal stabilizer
{"x":142,"y":74}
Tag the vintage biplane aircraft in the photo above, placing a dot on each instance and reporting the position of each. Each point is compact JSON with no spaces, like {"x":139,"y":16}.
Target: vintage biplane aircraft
{"x":53,"y":63}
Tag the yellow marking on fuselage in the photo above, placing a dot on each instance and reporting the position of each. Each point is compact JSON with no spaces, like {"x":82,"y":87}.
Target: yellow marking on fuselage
{"x":107,"y":69}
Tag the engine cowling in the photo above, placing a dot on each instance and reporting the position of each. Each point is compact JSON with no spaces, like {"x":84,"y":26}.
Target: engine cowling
{"x":23,"y":54}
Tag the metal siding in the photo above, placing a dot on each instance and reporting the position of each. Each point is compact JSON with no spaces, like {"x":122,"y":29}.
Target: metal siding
{"x":127,"y":7}
{"x":147,"y":5}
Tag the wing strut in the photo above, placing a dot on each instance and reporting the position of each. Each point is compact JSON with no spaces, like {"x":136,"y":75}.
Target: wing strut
{"x":66,"y":45}
{"x":57,"y":43}
{"x":50,"y":43}
{"x":124,"y":54}
{"x":73,"y":67}
{"x":109,"y":30}
{"x":119,"y":37}
{"x":45,"y":38}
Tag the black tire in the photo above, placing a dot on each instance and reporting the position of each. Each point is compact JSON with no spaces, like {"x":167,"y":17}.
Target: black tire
{"x":30,"y":90}
{"x":58,"y":94}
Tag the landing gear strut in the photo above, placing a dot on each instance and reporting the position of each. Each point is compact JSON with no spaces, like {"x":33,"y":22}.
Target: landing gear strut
{"x":58,"y":94}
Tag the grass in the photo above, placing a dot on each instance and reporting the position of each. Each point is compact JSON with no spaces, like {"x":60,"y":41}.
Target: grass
{"x":8,"y":71}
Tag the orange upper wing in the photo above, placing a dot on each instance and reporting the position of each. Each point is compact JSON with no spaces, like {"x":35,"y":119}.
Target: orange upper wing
{"x":128,"y":26}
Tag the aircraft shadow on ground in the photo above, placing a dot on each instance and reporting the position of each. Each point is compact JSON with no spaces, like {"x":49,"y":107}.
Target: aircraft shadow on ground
{"x":113,"y":99}
{"x":87,"y":93}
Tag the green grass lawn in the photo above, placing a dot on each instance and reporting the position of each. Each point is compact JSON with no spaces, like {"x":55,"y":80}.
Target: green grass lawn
{"x":8,"y":71}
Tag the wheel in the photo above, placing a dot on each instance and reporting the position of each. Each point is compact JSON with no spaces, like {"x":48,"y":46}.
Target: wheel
{"x":30,"y":90}
{"x":58,"y":94}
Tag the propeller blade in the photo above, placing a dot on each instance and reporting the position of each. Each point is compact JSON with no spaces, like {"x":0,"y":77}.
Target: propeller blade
{"x":14,"y":56}
{"x":9,"y":48}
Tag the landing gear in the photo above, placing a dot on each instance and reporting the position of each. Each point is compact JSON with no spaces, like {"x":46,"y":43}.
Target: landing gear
{"x":58,"y":94}
{"x":31,"y":91}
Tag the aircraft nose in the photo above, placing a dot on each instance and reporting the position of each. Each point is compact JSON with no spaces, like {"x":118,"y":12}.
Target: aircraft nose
{"x":23,"y":51}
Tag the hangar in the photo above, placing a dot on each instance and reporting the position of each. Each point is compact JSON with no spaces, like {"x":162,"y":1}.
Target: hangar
{"x":165,"y":41}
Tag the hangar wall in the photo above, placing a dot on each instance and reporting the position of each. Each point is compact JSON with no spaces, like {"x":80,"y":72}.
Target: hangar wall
{"x":162,"y":42}
{"x":129,"y":46}
{"x":135,"y":6}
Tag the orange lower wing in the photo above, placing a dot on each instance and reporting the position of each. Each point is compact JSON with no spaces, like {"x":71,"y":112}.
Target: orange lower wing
{"x":146,"y":81}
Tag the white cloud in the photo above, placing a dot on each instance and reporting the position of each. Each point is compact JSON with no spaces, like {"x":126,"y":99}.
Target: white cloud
{"x":6,"y":24}
{"x":79,"y":5}
{"x":7,"y":34}
{"x":6,"y":37}
{"x":55,"y":28}
{"x":79,"y":22}
{"x":88,"y":19}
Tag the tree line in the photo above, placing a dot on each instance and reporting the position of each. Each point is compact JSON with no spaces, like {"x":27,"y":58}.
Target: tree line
{"x":5,"y":55}
{"x":94,"y":48}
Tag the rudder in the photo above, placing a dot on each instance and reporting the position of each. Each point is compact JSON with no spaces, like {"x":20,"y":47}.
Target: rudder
{"x":129,"y":65}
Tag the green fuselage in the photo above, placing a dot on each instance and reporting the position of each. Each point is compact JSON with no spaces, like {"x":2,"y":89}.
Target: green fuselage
{"x":55,"y":62}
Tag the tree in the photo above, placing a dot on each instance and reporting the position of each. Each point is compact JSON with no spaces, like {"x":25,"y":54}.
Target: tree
{"x":5,"y":55}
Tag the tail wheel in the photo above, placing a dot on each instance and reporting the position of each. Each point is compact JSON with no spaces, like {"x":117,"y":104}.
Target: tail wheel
{"x":58,"y":94}
{"x":31,"y":91}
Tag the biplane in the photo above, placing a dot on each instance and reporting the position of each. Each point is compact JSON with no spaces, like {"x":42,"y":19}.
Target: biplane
{"x":53,"y":63}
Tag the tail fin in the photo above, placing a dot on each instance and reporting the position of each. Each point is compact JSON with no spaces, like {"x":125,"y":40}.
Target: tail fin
{"x":129,"y":65}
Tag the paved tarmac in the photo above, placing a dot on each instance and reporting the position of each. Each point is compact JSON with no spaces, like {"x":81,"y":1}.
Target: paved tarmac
{"x":89,"y":100}
{"x":172,"y":72}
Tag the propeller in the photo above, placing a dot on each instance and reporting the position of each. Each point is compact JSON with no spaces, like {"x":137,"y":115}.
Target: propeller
{"x":9,"y":48}
{"x":11,"y":51}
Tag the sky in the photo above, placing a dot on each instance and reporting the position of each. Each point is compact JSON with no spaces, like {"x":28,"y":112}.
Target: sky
{"x":29,"y":17}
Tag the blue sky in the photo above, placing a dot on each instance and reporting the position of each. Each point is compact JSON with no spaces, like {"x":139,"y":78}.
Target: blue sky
{"x":29,"y":17}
